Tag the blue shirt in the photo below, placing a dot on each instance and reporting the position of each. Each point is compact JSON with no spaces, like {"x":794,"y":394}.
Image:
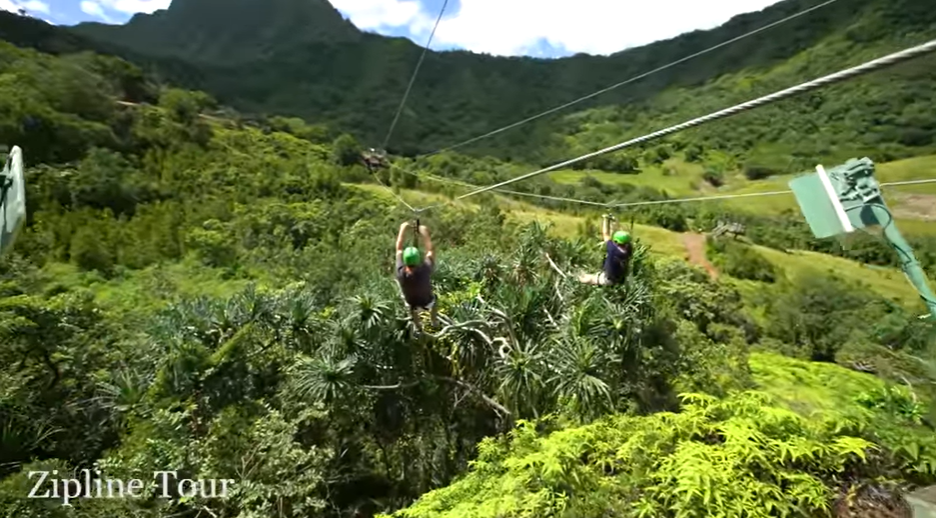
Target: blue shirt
{"x":615,"y":263}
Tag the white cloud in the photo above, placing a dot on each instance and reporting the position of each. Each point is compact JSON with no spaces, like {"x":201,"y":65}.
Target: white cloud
{"x":517,"y":27}
{"x":100,"y":8}
{"x":31,"y":7}
{"x":14,"y":6}
{"x":136,"y":6}
{"x":380,"y":14}
{"x":36,"y":6}
{"x":93,"y":8}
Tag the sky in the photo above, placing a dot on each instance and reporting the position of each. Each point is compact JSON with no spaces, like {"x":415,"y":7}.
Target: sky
{"x":540,"y":28}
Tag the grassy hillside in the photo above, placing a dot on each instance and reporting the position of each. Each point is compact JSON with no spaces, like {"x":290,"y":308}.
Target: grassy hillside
{"x":204,"y":296}
{"x":914,"y":206}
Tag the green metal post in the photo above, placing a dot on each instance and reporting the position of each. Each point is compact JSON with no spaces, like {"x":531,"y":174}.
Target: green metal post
{"x":847,"y":198}
{"x":856,"y":184}
{"x":908,"y":262}
{"x":12,"y":199}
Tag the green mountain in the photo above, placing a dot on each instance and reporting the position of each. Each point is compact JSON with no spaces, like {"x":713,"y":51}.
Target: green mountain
{"x":330,"y":72}
{"x":247,"y":32}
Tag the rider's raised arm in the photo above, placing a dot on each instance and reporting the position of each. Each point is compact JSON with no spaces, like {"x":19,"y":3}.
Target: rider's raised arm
{"x":401,"y":237}
{"x":427,"y":242}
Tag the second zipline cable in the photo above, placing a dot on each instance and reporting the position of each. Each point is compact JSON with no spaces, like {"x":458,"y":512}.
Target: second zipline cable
{"x":631,"y":80}
{"x":870,"y":66}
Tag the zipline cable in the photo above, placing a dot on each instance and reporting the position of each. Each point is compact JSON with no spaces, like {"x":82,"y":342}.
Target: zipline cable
{"x":869,"y":66}
{"x":571,"y":103}
{"x":729,"y":196}
{"x":440,"y":179}
{"x":413,"y":77}
{"x":631,"y":80}
{"x":637,"y":203}
{"x":395,"y":195}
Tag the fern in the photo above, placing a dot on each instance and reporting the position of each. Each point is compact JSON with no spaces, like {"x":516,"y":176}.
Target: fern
{"x":743,"y":455}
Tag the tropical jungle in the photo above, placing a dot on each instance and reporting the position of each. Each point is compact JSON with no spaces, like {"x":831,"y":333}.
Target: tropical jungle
{"x":204,"y":281}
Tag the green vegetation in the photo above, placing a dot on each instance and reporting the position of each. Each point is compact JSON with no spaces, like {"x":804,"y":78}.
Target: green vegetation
{"x":744,"y":455}
{"x":740,"y":261}
{"x":214,"y":296}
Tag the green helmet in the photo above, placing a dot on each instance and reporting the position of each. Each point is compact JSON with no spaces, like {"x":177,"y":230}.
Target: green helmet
{"x":621,"y":237}
{"x":411,"y":256}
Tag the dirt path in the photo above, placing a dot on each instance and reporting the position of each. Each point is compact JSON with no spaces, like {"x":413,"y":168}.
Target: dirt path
{"x":914,"y":206}
{"x":695,"y":245}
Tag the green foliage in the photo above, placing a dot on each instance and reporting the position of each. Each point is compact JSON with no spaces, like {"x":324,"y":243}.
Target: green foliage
{"x":346,"y":150}
{"x":895,"y":401}
{"x":714,"y":177}
{"x":733,"y":457}
{"x":739,"y":260}
{"x":184,"y":106}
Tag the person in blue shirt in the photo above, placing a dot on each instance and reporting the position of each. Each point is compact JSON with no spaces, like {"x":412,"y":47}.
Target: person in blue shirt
{"x":619,"y":249}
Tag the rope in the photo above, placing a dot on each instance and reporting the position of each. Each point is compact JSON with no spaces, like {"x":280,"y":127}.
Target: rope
{"x":504,"y":191}
{"x":870,"y":66}
{"x":629,"y":204}
{"x":395,"y":195}
{"x":413,"y":77}
{"x":770,"y":193}
{"x":909,"y":182}
{"x":631,"y":80}
{"x":700,"y":198}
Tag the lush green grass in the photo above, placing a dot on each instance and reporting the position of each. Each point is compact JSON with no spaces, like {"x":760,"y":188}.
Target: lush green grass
{"x":681,"y":179}
{"x":415,"y":198}
{"x":887,"y":282}
{"x":147,"y":289}
{"x":810,"y":387}
{"x":675,"y":177}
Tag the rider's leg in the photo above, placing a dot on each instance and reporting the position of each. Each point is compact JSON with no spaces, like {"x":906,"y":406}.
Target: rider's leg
{"x":414,"y":314}
{"x":590,"y":278}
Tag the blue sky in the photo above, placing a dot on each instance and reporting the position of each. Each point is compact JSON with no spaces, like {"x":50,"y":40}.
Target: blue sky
{"x":541,"y":28}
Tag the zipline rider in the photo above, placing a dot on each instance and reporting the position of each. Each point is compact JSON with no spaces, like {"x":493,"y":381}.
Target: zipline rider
{"x":414,"y":274}
{"x":618,"y":252}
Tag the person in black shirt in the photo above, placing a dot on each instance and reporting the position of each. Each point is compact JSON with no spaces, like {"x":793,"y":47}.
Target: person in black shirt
{"x":413,"y":273}
{"x":618,"y":253}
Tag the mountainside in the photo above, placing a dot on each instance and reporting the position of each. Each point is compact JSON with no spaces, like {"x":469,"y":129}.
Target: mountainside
{"x":29,"y":32}
{"x":230,"y":32}
{"x":355,"y":80}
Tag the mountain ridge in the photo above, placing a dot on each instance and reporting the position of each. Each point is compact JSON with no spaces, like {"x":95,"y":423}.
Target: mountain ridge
{"x":356,"y":85}
{"x":354,"y":80}
{"x":191,"y":29}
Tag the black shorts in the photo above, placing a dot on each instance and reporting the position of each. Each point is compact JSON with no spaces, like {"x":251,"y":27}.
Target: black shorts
{"x":421,"y":307}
